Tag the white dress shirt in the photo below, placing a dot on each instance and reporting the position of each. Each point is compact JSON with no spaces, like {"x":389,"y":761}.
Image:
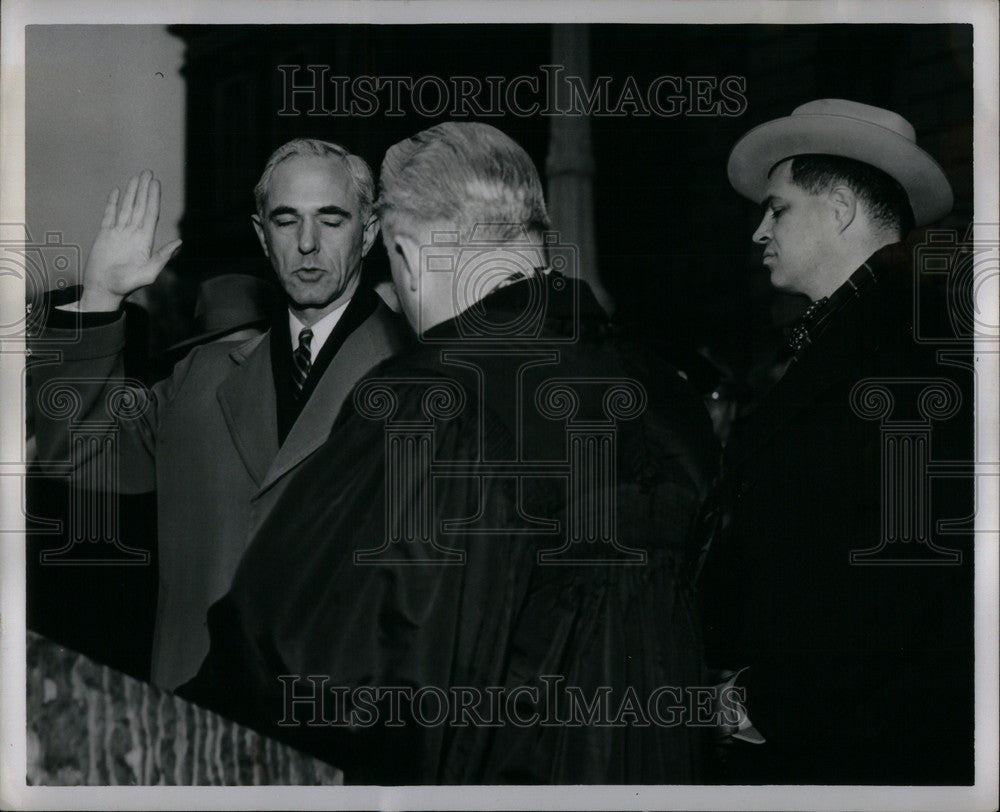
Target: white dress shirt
{"x":321,"y":329}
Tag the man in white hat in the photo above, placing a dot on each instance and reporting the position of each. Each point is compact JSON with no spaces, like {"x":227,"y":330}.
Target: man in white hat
{"x":858,"y":182}
{"x":857,"y":666}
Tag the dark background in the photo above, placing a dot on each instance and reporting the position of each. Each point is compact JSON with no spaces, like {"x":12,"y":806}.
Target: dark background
{"x":673,"y":238}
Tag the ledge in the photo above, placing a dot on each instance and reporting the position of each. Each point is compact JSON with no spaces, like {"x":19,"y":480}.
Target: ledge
{"x":91,"y":725}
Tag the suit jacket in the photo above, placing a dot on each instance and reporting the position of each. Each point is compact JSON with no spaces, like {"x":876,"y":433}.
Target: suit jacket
{"x":856,"y":673}
{"x":206,"y":439}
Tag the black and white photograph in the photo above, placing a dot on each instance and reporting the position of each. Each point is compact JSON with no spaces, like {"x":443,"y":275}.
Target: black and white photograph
{"x":499,"y":405}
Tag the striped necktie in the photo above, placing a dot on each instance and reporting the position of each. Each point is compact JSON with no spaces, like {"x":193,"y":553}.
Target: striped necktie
{"x":301,"y":361}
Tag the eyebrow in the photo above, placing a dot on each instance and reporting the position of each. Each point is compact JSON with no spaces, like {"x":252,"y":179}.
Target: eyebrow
{"x":277,"y":211}
{"x":767,"y":201}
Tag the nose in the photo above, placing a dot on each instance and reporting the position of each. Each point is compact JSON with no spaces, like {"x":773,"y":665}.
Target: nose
{"x":307,"y":237}
{"x":762,"y":235}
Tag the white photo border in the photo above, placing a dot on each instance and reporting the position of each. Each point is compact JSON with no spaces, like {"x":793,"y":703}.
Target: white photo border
{"x":982,"y":14}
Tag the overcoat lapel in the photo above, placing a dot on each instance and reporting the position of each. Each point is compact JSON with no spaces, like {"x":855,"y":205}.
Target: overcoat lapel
{"x":801,"y":386}
{"x":249,"y":408}
{"x":843,"y":352}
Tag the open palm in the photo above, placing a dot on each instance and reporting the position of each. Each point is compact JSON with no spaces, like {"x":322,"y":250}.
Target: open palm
{"x":122,"y":259}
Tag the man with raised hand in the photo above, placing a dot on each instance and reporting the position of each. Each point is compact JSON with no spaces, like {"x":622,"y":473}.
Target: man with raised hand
{"x":219,"y":438}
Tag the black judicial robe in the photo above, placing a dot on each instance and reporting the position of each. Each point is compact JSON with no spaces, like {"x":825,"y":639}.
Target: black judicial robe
{"x":302,"y":605}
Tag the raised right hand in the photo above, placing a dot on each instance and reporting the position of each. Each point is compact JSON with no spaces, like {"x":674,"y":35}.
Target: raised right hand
{"x":122,"y":259}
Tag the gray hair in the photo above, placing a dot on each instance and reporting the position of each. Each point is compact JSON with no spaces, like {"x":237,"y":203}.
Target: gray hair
{"x":466,"y":173}
{"x":359,"y":171}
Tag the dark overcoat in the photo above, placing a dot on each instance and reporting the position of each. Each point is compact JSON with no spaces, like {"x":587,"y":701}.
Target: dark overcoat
{"x":858,"y":663}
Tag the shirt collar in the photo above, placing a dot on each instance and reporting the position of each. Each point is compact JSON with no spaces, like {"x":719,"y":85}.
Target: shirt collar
{"x":321,"y":329}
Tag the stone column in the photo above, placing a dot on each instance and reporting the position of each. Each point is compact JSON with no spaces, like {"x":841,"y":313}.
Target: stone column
{"x":569,"y":167}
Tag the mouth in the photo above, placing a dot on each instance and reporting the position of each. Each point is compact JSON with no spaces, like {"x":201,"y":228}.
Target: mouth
{"x":309,"y":272}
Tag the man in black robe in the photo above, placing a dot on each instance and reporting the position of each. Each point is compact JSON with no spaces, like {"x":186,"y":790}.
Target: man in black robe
{"x":484,"y":567}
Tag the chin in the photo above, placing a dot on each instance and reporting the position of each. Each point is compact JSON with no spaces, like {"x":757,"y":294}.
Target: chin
{"x":777,"y":281}
{"x":312,"y":296}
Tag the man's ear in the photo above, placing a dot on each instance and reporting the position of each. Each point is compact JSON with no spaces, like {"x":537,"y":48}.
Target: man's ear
{"x":259,"y":228}
{"x":370,"y":233}
{"x":844,"y":202}
{"x":404,"y":257}
{"x":407,"y":249}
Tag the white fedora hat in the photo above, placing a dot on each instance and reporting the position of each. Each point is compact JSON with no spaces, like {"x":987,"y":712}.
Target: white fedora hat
{"x":849,"y":129}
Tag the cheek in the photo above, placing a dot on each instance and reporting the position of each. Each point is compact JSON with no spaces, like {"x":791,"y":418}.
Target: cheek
{"x":811,"y":244}
{"x":279,"y":245}
{"x":792,"y":237}
{"x":342,"y":244}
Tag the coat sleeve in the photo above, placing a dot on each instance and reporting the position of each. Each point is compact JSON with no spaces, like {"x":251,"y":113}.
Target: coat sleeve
{"x":88,"y":416}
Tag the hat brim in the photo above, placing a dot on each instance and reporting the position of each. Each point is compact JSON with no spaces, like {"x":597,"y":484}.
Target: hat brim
{"x":212,"y":335}
{"x":756,"y":153}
